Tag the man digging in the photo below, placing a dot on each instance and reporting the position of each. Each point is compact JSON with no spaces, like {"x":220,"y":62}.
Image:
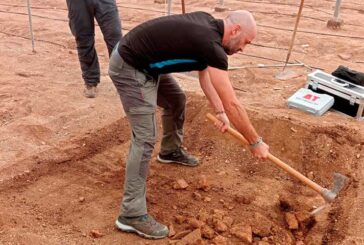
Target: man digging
{"x":139,"y":68}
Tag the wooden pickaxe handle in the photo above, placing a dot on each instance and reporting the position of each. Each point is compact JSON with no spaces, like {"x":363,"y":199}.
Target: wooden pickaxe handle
{"x":274,"y":159}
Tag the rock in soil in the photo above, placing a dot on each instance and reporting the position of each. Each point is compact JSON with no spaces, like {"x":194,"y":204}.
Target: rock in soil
{"x":96,"y":234}
{"x":179,"y":219}
{"x":195,"y":223}
{"x":218,"y":214}
{"x":220,"y":226}
{"x":228,"y":221}
{"x":193,"y":237}
{"x":181,"y":234}
{"x":262,"y":226}
{"x":180,"y":184}
{"x":203,"y":183}
{"x":172,"y":231}
{"x":243,"y":232}
{"x":207,"y":232}
{"x":310,"y":175}
{"x":306,"y":222}
{"x":302,"y":216}
{"x":263,"y":243}
{"x":265,"y":239}
{"x":197,"y":196}
{"x":203,"y":216}
{"x":244,"y":199}
{"x":291,"y":221}
{"x":220,"y":240}
{"x":207,"y":199}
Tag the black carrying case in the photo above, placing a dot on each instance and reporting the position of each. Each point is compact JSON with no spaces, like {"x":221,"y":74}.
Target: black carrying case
{"x":349,"y":97}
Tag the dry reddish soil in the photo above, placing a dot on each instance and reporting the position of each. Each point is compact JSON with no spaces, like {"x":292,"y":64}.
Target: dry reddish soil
{"x":62,"y":157}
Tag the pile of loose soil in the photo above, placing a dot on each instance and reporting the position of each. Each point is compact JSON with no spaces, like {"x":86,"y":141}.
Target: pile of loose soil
{"x":62,"y":157}
{"x":231,"y":198}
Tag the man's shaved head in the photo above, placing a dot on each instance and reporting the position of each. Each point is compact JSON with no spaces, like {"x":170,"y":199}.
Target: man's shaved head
{"x":243,"y":18}
{"x":240,"y":28}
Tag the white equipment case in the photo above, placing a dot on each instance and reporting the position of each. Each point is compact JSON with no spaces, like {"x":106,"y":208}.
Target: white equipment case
{"x":349,"y":97}
{"x":309,"y":101}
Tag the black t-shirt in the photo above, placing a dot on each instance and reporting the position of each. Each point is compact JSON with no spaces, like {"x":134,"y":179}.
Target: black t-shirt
{"x":175,"y":43}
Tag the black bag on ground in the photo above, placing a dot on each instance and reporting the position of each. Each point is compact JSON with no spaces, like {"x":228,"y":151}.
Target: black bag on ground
{"x":349,"y":75}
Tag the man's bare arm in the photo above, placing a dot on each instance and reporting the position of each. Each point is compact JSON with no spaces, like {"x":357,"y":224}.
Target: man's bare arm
{"x":210,"y":91}
{"x":233,"y":108}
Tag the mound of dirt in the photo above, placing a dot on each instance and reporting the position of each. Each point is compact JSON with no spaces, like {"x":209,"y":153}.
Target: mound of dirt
{"x":62,"y":157}
{"x":229,"y":197}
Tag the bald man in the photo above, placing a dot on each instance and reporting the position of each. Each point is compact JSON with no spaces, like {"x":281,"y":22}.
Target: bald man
{"x":139,"y":68}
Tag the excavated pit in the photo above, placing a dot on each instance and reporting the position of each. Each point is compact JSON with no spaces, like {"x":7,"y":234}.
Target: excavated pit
{"x":72,"y":196}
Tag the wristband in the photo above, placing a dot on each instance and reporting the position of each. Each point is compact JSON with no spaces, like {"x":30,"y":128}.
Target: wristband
{"x":220,"y":112}
{"x":259,"y":141}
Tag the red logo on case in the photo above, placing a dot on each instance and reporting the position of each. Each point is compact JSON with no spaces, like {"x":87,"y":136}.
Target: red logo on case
{"x":311,"y":97}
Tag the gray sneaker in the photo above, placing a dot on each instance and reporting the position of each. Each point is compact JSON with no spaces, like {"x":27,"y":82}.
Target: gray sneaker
{"x":90,"y":91}
{"x":144,"y":226}
{"x":178,"y":156}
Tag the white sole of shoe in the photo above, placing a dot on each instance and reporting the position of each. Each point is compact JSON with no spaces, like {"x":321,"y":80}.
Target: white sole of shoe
{"x":127,"y":228}
{"x":163,"y":161}
{"x":169,"y":161}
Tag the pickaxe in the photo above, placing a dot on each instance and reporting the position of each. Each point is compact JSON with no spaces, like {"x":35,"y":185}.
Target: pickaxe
{"x":329,"y":195}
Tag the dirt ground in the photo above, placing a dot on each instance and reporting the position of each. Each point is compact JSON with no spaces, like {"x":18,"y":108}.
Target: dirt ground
{"x":62,"y":156}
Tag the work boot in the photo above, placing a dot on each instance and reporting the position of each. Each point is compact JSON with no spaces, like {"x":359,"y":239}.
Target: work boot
{"x":178,"y":156}
{"x":144,"y":226}
{"x":90,"y":91}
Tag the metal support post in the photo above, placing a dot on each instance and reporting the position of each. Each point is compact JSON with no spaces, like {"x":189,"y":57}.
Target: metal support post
{"x":337,"y":9}
{"x":221,"y":7}
{"x":335,"y":22}
{"x":169,"y":8}
{"x":30,"y":24}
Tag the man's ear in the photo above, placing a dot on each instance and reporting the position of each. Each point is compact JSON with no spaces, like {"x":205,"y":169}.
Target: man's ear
{"x":235,"y":31}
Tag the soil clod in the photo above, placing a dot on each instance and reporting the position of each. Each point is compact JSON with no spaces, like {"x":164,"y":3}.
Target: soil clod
{"x":180,"y":184}
{"x":243,"y":232}
{"x":96,"y":234}
{"x":291,"y":221}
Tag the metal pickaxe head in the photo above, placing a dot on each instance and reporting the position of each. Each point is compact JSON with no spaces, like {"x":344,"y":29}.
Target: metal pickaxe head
{"x":340,"y":182}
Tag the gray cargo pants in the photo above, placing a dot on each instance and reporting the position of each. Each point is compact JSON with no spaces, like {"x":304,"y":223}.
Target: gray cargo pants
{"x":81,"y":14}
{"x":140,"y":94}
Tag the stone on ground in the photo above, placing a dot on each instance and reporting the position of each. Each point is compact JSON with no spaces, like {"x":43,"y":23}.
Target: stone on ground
{"x":291,"y":221}
{"x":195,"y":223}
{"x":203,"y":183}
{"x":207,"y":232}
{"x":96,"y":234}
{"x":172,"y":231}
{"x":192,"y":238}
{"x":180,"y":184}
{"x":220,"y":240}
{"x":243,"y":232}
